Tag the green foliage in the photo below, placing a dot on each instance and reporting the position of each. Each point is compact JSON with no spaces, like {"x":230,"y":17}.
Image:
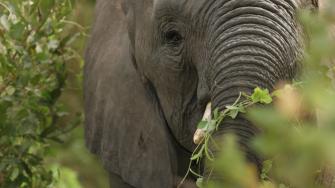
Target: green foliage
{"x":65,"y":177}
{"x":33,"y":52}
{"x":261,"y":96}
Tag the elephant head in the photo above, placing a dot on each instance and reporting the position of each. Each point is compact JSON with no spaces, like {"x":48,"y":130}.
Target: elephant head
{"x":153,"y":65}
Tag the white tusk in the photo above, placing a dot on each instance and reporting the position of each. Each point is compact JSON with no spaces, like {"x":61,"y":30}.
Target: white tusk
{"x":200,"y":133}
{"x":208,"y":113}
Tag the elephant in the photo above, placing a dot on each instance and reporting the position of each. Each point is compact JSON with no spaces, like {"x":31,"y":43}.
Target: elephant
{"x":152,"y":66}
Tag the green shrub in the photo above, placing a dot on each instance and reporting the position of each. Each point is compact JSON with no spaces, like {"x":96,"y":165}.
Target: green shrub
{"x":33,"y":52}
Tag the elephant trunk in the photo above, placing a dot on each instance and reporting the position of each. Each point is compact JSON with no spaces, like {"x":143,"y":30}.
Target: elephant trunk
{"x":255,"y":44}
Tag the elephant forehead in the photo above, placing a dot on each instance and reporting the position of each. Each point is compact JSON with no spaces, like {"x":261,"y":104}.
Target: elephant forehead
{"x":193,"y":7}
{"x":189,"y":6}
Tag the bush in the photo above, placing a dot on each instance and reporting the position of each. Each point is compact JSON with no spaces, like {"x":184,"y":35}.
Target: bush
{"x":33,"y":52}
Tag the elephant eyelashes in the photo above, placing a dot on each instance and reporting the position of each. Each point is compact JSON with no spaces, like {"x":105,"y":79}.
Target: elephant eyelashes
{"x":173,"y":37}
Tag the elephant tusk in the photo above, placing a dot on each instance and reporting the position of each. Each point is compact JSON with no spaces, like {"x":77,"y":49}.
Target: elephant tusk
{"x":208,"y":112}
{"x":200,"y":133}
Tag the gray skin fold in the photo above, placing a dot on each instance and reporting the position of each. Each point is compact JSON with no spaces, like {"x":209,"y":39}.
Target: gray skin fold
{"x":151,"y":67}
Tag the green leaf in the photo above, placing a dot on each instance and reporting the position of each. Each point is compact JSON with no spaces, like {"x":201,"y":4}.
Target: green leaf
{"x":199,"y":182}
{"x":202,"y":125}
{"x":4,"y":22}
{"x":233,"y":114}
{"x":216,"y":113}
{"x":211,"y":126}
{"x":241,"y":108}
{"x":10,"y":90}
{"x":261,"y":96}
{"x":276,"y":93}
{"x":15,"y":173}
{"x":234,"y":110}
{"x":68,"y":178}
{"x":267,"y":166}
{"x":198,"y":155}
{"x":232,"y":107}
{"x":17,"y":30}
{"x":45,"y":6}
{"x":207,"y":126}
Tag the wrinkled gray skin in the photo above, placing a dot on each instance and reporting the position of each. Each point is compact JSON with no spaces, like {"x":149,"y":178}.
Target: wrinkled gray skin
{"x":153,"y":65}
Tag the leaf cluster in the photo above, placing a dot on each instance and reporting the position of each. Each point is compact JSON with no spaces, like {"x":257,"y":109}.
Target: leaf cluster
{"x":33,"y":53}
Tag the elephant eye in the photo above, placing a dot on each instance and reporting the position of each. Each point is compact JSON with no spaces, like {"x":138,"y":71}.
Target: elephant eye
{"x":173,"y":37}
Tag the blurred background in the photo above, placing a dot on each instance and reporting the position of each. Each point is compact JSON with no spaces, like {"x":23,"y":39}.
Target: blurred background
{"x":78,"y":167}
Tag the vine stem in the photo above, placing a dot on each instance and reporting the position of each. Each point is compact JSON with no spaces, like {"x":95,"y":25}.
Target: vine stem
{"x":207,"y":150}
{"x":210,"y":175}
{"x":6,"y":7}
{"x":83,"y":29}
{"x":189,"y":166}
{"x":208,"y":138}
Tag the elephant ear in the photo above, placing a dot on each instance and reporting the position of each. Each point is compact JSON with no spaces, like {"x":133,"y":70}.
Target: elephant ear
{"x":123,"y":124}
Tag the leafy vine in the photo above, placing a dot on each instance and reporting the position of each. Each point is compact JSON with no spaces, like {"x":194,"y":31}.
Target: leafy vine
{"x":207,"y":127}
